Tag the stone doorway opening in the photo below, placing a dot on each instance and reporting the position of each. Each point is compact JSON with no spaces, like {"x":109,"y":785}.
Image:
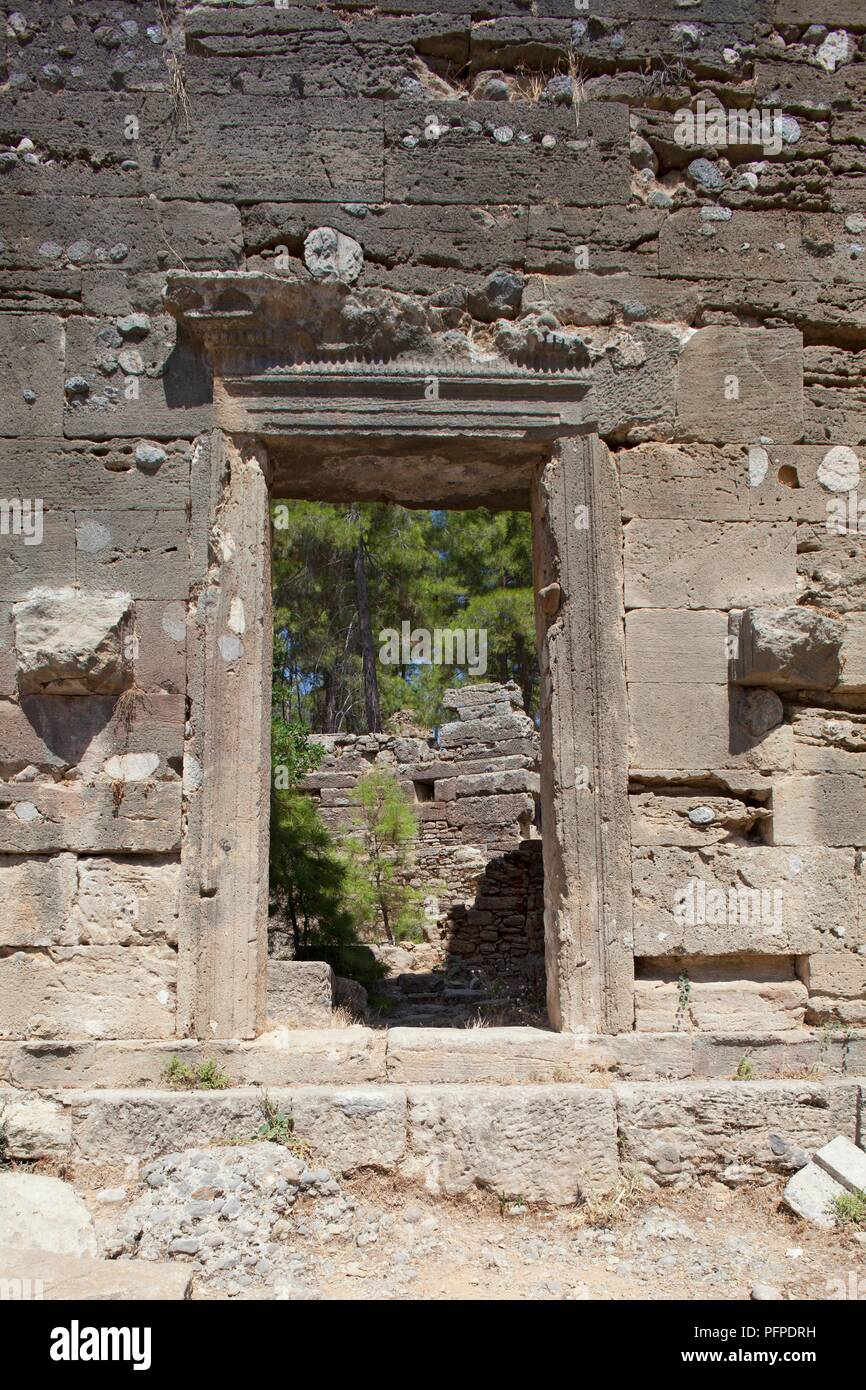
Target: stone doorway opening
{"x":405,"y":666}
{"x":326,"y":394}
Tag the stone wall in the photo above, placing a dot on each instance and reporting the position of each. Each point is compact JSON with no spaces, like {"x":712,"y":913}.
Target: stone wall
{"x":473,"y":788}
{"x":446,"y":168}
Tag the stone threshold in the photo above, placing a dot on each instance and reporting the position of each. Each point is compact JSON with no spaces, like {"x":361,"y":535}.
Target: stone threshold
{"x":547,"y":1143}
{"x":505,"y":1056}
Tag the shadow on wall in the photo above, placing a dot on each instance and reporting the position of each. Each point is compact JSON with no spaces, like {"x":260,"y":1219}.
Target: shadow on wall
{"x":501,"y":934}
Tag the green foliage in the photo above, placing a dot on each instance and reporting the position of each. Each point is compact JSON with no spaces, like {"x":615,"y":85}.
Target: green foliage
{"x":745,"y":1070}
{"x":429,"y":568}
{"x":207,"y":1076}
{"x":384,"y":853}
{"x":4,"y":1146}
{"x":293,"y":752}
{"x":279,"y":1128}
{"x":849,"y":1208}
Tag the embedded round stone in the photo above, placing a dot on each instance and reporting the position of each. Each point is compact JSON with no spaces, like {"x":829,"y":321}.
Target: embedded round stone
{"x":839,"y":469}
{"x":331,"y":255}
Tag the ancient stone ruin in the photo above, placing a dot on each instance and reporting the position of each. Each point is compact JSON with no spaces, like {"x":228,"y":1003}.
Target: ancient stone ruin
{"x":605,"y":263}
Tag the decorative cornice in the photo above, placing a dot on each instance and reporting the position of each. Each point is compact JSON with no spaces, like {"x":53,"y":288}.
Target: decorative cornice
{"x":300,"y":357}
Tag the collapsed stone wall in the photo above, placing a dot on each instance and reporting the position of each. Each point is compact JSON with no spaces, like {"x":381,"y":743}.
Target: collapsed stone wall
{"x":473,"y":786}
{"x":521,"y":180}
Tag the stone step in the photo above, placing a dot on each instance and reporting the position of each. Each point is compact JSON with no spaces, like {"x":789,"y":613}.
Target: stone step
{"x":394,"y":1053}
{"x":545,"y":1142}
{"x":36,"y":1274}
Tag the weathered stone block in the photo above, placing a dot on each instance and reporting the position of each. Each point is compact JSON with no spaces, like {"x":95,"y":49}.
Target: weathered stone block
{"x":73,"y":643}
{"x":704,"y":564}
{"x":691,"y":820}
{"x":34,"y":1126}
{"x":811,"y":1194}
{"x":126,"y":902}
{"x":50,"y":564}
{"x":725,"y":899}
{"x":689,"y":482}
{"x":838,"y":973}
{"x":739,"y":384}
{"x":36,"y":896}
{"x":143,"y":551}
{"x":853,"y":656}
{"x":31,"y":374}
{"x":845,"y":1162}
{"x":672,"y":646}
{"x":681,"y":1131}
{"x":88,"y":991}
{"x":300,"y":993}
{"x":42,"y":1213}
{"x":546,"y":1143}
{"x":786,"y":649}
{"x":70,"y":1278}
{"x":42,"y":818}
{"x":825,"y":808}
{"x":702,"y":727}
{"x":751,"y":993}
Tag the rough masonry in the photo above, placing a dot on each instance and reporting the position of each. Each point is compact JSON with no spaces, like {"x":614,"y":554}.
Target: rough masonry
{"x":512,"y":256}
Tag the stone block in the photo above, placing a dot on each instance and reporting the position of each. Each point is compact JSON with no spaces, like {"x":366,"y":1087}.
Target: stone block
{"x":691,"y":820}
{"x":504,"y":1055}
{"x":126,"y":902}
{"x":706,"y":564}
{"x":31,"y":374}
{"x":497,"y":783}
{"x":838,"y":973}
{"x":137,"y":739}
{"x":133,"y":234}
{"x":546,"y":1143}
{"x":680,"y":1131}
{"x":82,"y":1278}
{"x":51,"y":564}
{"x":160,"y":645}
{"x":811,"y":1193}
{"x":725,"y":899}
{"x":468,"y":162}
{"x":33,"y":1126}
{"x":300,"y":993}
{"x":351,"y":1129}
{"x":688,"y":482}
{"x":749,"y":993}
{"x":676,"y":646}
{"x":741,"y":384}
{"x":485,"y":812}
{"x":73,"y":643}
{"x":845,"y":1162}
{"x":88,"y":992}
{"x":42,"y":1213}
{"x":126,"y":1126}
{"x":43,"y":818}
{"x":142,"y":551}
{"x":37,"y":894}
{"x":702,"y":727}
{"x":852,"y":679}
{"x":825,"y":808}
{"x":786,"y":649}
{"x":151,"y":386}
{"x":105,"y":475}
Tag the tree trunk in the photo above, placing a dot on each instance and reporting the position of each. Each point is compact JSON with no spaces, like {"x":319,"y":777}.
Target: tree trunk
{"x":371,"y":684}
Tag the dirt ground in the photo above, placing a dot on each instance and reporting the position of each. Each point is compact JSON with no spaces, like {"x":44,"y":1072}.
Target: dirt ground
{"x":706,"y":1243}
